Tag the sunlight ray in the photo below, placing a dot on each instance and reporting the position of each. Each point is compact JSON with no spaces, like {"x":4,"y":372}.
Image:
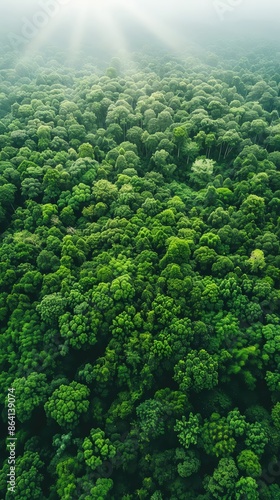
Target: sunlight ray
{"x":46,"y":34}
{"x":103,"y":23}
{"x":159,"y":29}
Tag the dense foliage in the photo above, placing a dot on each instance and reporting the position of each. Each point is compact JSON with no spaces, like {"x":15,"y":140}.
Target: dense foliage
{"x":140,"y":276}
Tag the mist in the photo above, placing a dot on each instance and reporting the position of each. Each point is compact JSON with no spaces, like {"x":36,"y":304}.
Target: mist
{"x":119,"y":26}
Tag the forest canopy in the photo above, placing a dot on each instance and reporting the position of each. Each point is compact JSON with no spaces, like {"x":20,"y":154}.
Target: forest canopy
{"x":139,"y":275}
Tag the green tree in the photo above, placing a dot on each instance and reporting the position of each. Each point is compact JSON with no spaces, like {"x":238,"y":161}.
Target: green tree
{"x":217,"y":436}
{"x":51,"y":307}
{"x":249,"y":463}
{"x":86,"y":150}
{"x":150,"y":415}
{"x":178,"y":251}
{"x":222,"y":483}
{"x":29,"y":477}
{"x":102,"y":489}
{"x":31,"y":392}
{"x":189,"y":462}
{"x":67,"y":403}
{"x":97,"y":448}
{"x":276,"y":415}
{"x":256,"y":438}
{"x":247,"y":487}
{"x":104,"y":191}
{"x":237,"y":422}
{"x":188,"y":430}
{"x":257,"y":260}
{"x":202,"y":170}
{"x":179,"y":137}
{"x":198,"y":371}
{"x":65,"y":471}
